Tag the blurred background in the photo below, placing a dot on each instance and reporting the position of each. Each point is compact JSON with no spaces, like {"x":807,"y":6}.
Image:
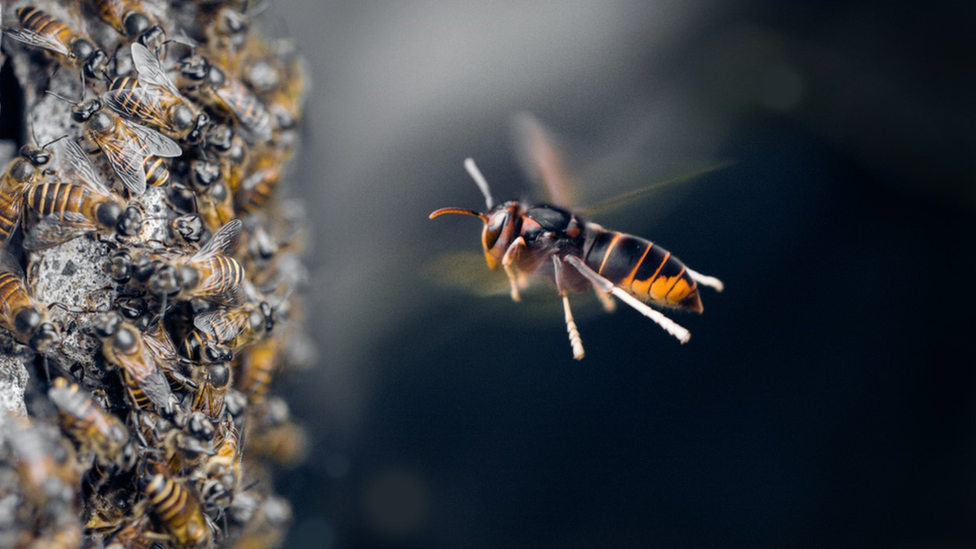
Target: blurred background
{"x":826,"y":398}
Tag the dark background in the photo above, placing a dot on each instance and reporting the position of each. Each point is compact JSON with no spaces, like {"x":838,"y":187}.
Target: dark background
{"x":826,"y":398}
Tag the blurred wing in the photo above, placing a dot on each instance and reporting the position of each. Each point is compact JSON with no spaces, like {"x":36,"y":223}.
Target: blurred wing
{"x":150,"y":69}
{"x":629,"y":197}
{"x":32,"y":38}
{"x":155,"y":143}
{"x":541,"y":159}
{"x":55,"y":229}
{"x":467,"y":272}
{"x":126,"y":159}
{"x":223,"y":242}
{"x":223,"y":324}
{"x":80,"y":165}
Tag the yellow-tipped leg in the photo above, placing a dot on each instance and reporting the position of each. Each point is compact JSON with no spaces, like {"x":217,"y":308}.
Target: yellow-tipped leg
{"x":574,"y":337}
{"x":706,"y":280}
{"x":609,"y":305}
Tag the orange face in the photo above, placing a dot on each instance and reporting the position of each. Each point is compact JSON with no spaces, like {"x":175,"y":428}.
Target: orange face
{"x":501,"y":229}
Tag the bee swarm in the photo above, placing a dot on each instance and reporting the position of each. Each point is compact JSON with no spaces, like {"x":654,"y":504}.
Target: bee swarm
{"x":150,"y":275}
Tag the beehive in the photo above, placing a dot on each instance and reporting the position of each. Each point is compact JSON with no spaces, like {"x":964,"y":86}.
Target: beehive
{"x":150,"y":274}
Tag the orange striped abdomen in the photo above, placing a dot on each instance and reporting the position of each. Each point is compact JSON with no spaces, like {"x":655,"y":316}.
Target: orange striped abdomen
{"x":178,"y":510}
{"x":219,"y":274}
{"x":10,"y":202}
{"x":57,"y":198}
{"x":646,"y":270}
{"x":13,"y":296}
{"x":44,"y":24}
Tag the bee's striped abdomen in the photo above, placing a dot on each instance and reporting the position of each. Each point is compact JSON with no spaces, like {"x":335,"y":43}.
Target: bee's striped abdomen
{"x":157,"y":174}
{"x":647,"y":271}
{"x":56,"y":198}
{"x":12,"y":291}
{"x":178,"y":510}
{"x":10,"y":202}
{"x":44,"y":24}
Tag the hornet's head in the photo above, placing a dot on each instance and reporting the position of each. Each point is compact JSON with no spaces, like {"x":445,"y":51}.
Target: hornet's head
{"x":502,"y":223}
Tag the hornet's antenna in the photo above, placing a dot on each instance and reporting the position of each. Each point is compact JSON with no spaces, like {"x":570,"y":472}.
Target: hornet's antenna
{"x":480,"y":180}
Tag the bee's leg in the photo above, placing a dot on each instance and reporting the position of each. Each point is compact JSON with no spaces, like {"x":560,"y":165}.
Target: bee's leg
{"x":507,"y":261}
{"x":705,"y":280}
{"x":574,"y":336}
{"x":605,"y":285}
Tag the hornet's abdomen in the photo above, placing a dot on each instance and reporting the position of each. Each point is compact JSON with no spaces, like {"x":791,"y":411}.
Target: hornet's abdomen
{"x":646,"y":270}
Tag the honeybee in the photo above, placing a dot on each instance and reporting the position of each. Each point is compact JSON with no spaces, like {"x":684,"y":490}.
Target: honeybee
{"x":91,"y":427}
{"x":65,"y":210}
{"x":265,"y":177}
{"x":258,"y":365}
{"x":227,"y":36}
{"x":214,"y":87}
{"x":22,"y":173}
{"x":278,"y":437}
{"x":551,"y":241}
{"x":22,"y":315}
{"x":42,"y":30}
{"x":214,"y":202}
{"x":45,"y":465}
{"x":135,"y":152}
{"x":177,"y":508}
{"x":281,"y":79}
{"x":231,"y":329}
{"x":268,"y":525}
{"x":124,"y":346}
{"x":213,"y":381}
{"x":231,"y":152}
{"x":152,"y":99}
{"x":209,"y":274}
{"x":161,"y":345}
{"x":130,"y":19}
{"x":220,"y":476}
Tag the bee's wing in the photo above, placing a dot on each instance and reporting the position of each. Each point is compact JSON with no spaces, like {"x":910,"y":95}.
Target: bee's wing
{"x":223,"y":324}
{"x":31,"y":38}
{"x":136,"y":103}
{"x":55,"y":229}
{"x":161,"y":346}
{"x":9,"y":264}
{"x":234,"y":297}
{"x":80,"y":165}
{"x":542,"y":160}
{"x":154,"y":142}
{"x":150,"y":69}
{"x":126,"y":158}
{"x":143,"y":370}
{"x":223,"y":241}
{"x":251,"y":111}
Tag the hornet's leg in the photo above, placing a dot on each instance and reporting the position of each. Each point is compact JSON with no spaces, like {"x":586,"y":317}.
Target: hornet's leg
{"x":705,"y":280}
{"x":609,"y":305}
{"x":606,"y":286}
{"x":507,"y":261}
{"x":574,"y":337}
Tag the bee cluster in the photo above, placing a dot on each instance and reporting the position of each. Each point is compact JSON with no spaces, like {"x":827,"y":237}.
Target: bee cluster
{"x":149,"y":275}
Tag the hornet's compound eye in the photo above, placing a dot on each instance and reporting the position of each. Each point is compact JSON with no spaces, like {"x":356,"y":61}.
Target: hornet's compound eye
{"x":493,"y":229}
